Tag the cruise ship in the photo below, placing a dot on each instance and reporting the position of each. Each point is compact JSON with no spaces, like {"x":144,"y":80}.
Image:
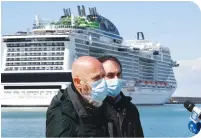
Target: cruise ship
{"x":37,"y":63}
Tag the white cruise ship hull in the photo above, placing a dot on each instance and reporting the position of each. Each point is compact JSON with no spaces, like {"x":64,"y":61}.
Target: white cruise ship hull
{"x":26,"y":102}
{"x":139,"y":97}
{"x":145,"y":96}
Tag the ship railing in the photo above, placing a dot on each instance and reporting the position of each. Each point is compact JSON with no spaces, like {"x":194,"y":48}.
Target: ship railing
{"x":57,"y":27}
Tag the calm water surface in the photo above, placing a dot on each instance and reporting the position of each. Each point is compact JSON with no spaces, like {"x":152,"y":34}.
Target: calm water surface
{"x":157,"y":121}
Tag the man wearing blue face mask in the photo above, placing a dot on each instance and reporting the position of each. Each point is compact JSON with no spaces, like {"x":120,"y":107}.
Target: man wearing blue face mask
{"x":77,"y":111}
{"x":123,"y":115}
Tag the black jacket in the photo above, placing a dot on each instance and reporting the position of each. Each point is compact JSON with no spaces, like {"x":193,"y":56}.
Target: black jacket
{"x":70,"y":116}
{"x":124,"y":119}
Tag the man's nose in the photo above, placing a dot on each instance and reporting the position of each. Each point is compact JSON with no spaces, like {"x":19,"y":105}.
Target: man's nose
{"x":116,"y":77}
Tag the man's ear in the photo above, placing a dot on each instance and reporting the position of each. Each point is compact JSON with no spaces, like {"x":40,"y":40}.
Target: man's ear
{"x":77,"y":83}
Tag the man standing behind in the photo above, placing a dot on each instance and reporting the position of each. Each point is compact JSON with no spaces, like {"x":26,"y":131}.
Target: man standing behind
{"x":123,"y":115}
{"x":77,"y":111}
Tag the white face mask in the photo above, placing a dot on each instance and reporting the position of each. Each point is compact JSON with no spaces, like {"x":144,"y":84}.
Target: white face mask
{"x":114,"y":87}
{"x":98,"y":93}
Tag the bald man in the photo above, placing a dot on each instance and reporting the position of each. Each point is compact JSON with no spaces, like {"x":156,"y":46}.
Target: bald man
{"x":77,"y":111}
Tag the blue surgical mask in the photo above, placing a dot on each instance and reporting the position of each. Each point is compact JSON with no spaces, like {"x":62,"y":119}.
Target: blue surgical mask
{"x":98,"y":93}
{"x":114,"y":87}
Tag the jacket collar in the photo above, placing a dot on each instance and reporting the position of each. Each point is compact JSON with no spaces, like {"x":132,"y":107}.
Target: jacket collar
{"x":81,"y":105}
{"x":119,"y":100}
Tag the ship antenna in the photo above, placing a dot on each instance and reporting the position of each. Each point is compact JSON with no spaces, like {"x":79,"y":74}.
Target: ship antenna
{"x":37,"y":20}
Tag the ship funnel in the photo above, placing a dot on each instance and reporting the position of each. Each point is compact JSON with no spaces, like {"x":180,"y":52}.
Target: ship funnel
{"x":79,"y":11}
{"x":95,"y":11}
{"x":83,"y":11}
{"x":67,"y":12}
{"x":90,"y":13}
{"x":138,"y":36}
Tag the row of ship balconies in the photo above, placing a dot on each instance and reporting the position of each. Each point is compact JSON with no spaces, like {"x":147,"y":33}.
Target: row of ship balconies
{"x":35,"y":59}
{"x":36,"y":49}
{"x":22,"y":44}
{"x":32,"y":68}
{"x":36,"y":54}
{"x":32,"y":63}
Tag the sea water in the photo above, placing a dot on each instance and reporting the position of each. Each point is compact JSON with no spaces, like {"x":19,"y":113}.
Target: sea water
{"x":157,"y":121}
